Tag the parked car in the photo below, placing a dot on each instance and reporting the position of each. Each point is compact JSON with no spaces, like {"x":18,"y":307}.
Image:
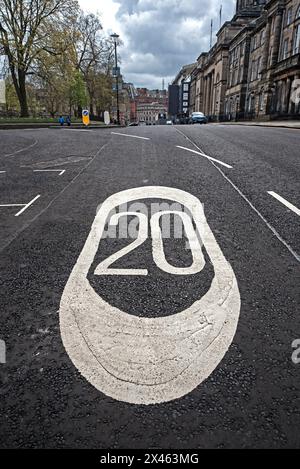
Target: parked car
{"x":169,"y":122}
{"x":198,"y":118}
{"x":133,"y":124}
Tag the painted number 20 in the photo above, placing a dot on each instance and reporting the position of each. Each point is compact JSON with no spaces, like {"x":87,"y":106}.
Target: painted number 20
{"x":104,"y":268}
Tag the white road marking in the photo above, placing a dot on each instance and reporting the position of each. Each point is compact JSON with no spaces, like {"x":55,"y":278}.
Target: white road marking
{"x":12,"y":205}
{"x":148,"y":360}
{"x":285,"y":202}
{"x":27,"y":206}
{"x":2,"y":172}
{"x":61,"y":172}
{"x":206,"y":156}
{"x":22,"y":149}
{"x":26,"y":224}
{"x":78,"y":130}
{"x":131,"y":136}
{"x":274,"y":231}
{"x":270,"y":227}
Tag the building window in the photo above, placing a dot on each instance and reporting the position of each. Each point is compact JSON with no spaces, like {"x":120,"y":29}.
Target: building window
{"x":285,"y":50}
{"x":298,"y":14}
{"x":261,"y":101}
{"x":289,"y":16}
{"x":296,"y":47}
{"x":258,"y":68}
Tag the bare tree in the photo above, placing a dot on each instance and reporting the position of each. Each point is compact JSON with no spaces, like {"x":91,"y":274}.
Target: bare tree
{"x":94,"y":53}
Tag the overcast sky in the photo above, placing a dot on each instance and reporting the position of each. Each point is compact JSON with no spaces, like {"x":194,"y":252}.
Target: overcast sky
{"x":159,"y":35}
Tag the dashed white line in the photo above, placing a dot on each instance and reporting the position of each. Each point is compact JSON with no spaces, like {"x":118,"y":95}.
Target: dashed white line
{"x":2,"y":172}
{"x":132,"y":136}
{"x":12,"y":205}
{"x":270,"y":227}
{"x":206,"y":156}
{"x":27,"y":206}
{"x":285,"y":202}
{"x":61,"y":172}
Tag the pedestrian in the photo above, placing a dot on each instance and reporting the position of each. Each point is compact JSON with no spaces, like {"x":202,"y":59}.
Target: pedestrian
{"x":61,"y":120}
{"x":68,"y":121}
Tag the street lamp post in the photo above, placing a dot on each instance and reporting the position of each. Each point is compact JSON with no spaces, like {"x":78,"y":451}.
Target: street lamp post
{"x":115,"y":37}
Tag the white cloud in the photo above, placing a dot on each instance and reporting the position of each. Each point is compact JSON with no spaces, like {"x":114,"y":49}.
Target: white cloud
{"x":159,"y":35}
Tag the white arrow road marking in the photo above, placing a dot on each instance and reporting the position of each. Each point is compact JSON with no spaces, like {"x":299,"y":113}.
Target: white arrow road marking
{"x":285,"y":202}
{"x":131,"y":136}
{"x":25,"y":206}
{"x":206,"y":156}
{"x":148,"y":360}
{"x":61,"y":172}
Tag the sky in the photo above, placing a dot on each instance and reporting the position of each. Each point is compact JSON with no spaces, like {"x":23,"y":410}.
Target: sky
{"x":159,"y":36}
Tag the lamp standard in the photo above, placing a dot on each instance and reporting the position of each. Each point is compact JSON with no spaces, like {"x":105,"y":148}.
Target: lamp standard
{"x":115,"y":37}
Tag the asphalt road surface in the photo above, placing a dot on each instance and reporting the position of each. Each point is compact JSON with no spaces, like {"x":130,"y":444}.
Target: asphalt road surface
{"x":160,"y":341}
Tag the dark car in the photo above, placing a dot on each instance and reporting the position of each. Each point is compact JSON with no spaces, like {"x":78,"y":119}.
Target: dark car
{"x":198,"y":118}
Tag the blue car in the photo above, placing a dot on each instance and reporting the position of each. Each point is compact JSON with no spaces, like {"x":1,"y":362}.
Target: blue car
{"x":198,"y":118}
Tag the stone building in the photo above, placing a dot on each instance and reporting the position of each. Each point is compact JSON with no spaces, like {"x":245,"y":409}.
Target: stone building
{"x":253,"y":70}
{"x":149,"y":112}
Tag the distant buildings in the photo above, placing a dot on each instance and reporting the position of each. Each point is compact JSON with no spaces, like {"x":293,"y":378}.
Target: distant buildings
{"x":151,"y":105}
{"x":253,"y":70}
{"x":151,"y":113}
{"x":179,"y":93}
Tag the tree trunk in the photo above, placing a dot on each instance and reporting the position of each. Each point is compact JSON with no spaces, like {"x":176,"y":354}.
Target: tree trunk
{"x":22,"y":95}
{"x":91,"y":99}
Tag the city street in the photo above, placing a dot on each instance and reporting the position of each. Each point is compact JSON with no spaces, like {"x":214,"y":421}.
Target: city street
{"x":157,"y":342}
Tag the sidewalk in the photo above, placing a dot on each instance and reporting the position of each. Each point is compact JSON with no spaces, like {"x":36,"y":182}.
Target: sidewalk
{"x":292,"y":124}
{"x":29,"y":125}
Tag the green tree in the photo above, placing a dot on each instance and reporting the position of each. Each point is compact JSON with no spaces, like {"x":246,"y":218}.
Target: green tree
{"x":77,"y":92}
{"x":25,"y":32}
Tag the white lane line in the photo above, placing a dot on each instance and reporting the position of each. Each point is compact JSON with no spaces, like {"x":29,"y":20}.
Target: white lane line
{"x":285,"y":202}
{"x":2,"y":172}
{"x":12,"y":205}
{"x":27,"y":206}
{"x":78,"y":130}
{"x":206,"y":156}
{"x":271,"y":228}
{"x":131,"y":136}
{"x":22,"y":149}
{"x":27,"y":224}
{"x":288,"y":247}
{"x":61,"y":172}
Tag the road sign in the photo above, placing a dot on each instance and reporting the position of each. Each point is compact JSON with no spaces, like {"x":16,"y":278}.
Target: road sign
{"x":116,"y":72}
{"x":148,"y":360}
{"x":86,"y":117}
{"x":106,"y":118}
